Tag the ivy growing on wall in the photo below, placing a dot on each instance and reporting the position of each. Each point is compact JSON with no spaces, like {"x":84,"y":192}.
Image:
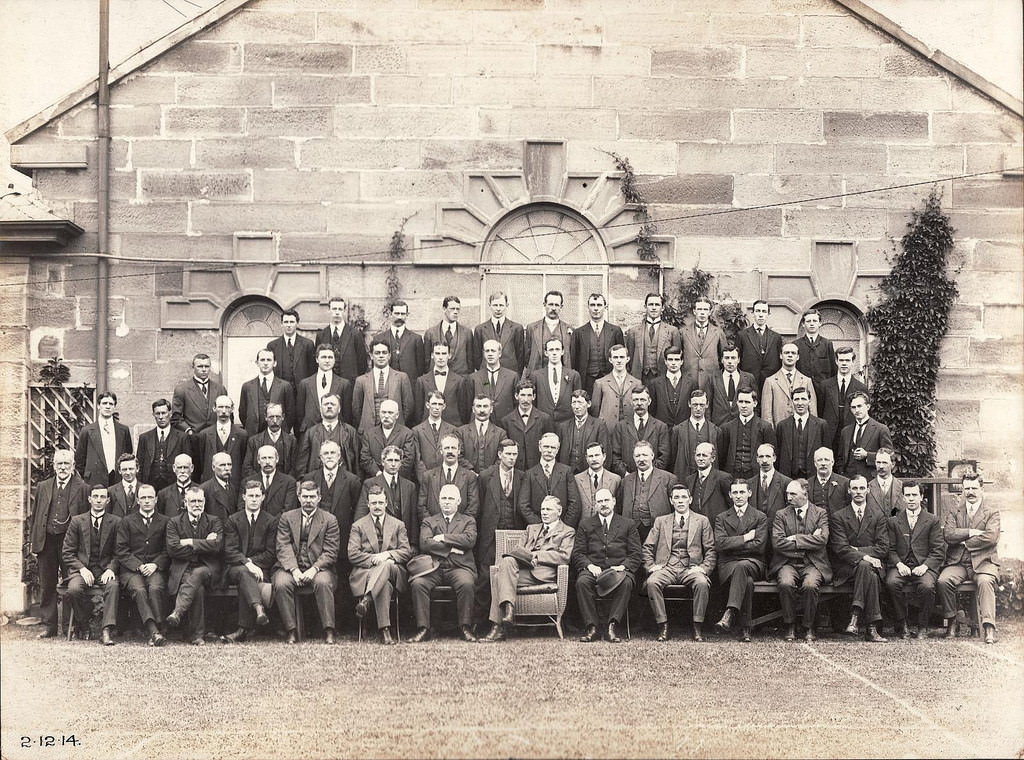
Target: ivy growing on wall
{"x":396,"y":253}
{"x":726,"y":311}
{"x":909,"y":323}
{"x":645,"y":247}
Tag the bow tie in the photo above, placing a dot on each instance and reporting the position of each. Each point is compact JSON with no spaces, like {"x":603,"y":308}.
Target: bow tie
{"x":440,"y":374}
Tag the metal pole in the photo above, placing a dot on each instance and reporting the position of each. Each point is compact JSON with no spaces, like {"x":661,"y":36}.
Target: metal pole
{"x":103,"y":198}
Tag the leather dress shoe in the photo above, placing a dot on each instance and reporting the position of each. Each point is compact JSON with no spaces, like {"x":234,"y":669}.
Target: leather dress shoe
{"x":106,"y":639}
{"x":508,"y":613}
{"x":790,"y":633}
{"x":261,"y":615}
{"x":329,"y":636}
{"x":468,"y":635}
{"x":237,"y":637}
{"x":810,"y":636}
{"x":873,"y":635}
{"x":589,"y":634}
{"x":174,"y":619}
{"x":902,"y":631}
{"x":156,"y":639}
{"x":49,"y":633}
{"x":362,"y":607}
{"x":385,"y":637}
{"x":726,"y":622}
{"x":697,"y":636}
{"x":745,"y":636}
{"x":291,"y":638}
{"x":199,"y":641}
{"x":422,"y":634}
{"x":852,"y":627}
{"x":919,"y":633}
{"x":990,"y":633}
{"x":951,"y":629}
{"x":662,"y":632}
{"x":497,"y":633}
{"x":612,"y":637}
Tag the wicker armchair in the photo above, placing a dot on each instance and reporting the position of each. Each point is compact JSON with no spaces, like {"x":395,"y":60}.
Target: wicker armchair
{"x":546,"y":600}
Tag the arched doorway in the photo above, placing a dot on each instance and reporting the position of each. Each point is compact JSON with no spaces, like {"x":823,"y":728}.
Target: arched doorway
{"x":843,"y":324}
{"x":249,"y":324}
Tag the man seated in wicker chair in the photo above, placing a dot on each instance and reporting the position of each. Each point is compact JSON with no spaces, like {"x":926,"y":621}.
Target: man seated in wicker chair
{"x":546,"y":546}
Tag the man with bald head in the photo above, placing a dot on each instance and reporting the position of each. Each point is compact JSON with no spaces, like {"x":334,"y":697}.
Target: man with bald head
{"x":825,"y":487}
{"x":708,"y":486}
{"x":275,"y":435}
{"x":220,"y":492}
{"x":195,"y":540}
{"x":495,"y":381}
{"x":549,"y":478}
{"x":170,"y":501}
{"x":388,"y":432}
{"x":223,"y":436}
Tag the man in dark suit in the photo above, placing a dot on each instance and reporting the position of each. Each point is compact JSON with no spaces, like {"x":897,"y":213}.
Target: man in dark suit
{"x":220,"y":491}
{"x":337,"y":490}
{"x":124,"y":495}
{"x":741,"y":539}
{"x":590,"y":344}
{"x":446,"y":542}
{"x":723,"y":387}
{"x":390,"y":432}
{"x":703,"y":342}
{"x":690,"y":433}
{"x":499,"y":487}
{"x":549,"y":478}
{"x":56,"y":501}
{"x":526,"y":424}
{"x":555,"y":383}
{"x":402,"y":496}
{"x":159,"y":447}
{"x":428,"y":435}
{"x":798,"y":437}
{"x":250,"y":552}
{"x":141,"y":548}
{"x":916,"y":553}
{"x":645,"y":490}
{"x":760,"y":346}
{"x":579,"y":431}
{"x":817,"y":356}
{"x":223,"y":437}
{"x":451,"y":470}
{"x":550,"y":326}
{"x":195,"y":541}
{"x":680,"y":549}
{"x":605,"y":556}
{"x":859,"y":542}
{"x":480,"y":438}
{"x":378,"y":549}
{"x":768,"y":487}
{"x":648,"y":341}
{"x":308,"y":542}
{"x":451,"y":333}
{"x":739,"y":438}
{"x":861,"y":439}
{"x":350,"y":358}
{"x":641,"y":426}
{"x":406,"y":346}
{"x":101,"y":444}
{"x":507,"y":333}
{"x":294,"y":354}
{"x":671,"y":392}
{"x":456,"y":389}
{"x":494,"y":381}
{"x":312,"y":391}
{"x":274,"y":436}
{"x":708,"y":485}
{"x":380,"y":383}
{"x":826,"y":489}
{"x":170,"y":500}
{"x":194,"y":403}
{"x":834,"y":401}
{"x":266,"y":388}
{"x":279,"y":489}
{"x":89,"y":559}
{"x":800,"y":557}
{"x":330,"y":428}
{"x":594,"y":478}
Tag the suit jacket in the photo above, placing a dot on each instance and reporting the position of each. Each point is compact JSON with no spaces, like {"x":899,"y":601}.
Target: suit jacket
{"x":729,"y":532}
{"x":527,"y":436}
{"x":624,"y":437}
{"x":190,"y":409}
{"x":874,"y":436}
{"x":925,"y":541}
{"x":713,"y":498}
{"x":979,"y":550}
{"x":220,"y":501}
{"x":851,"y":539}
{"x":372,"y":445}
{"x":89,"y":460}
{"x":702,"y":357}
{"x":579,"y":350}
{"x":887,"y":503}
{"x":209,"y":444}
{"x":406,"y":509}
{"x":252,"y":405}
{"x":700,"y":542}
{"x":502,"y":394}
{"x":204,"y":551}
{"x":621,"y":546}
{"x":286,"y":451}
{"x":344,"y":435}
{"x":569,"y":381}
{"x":774,"y":499}
{"x":818,"y":362}
{"x":550,"y":551}
{"x":728,"y":437}
{"x":776,"y":403}
{"x":282,"y":496}
{"x":300,"y":365}
{"x":135,"y":545}
{"x":406,"y":352}
{"x":307,"y":401}
{"x":461,"y":536}
{"x":458,"y":392}
{"x":430,"y":491}
{"x":661,"y":399}
{"x":350,"y":358}
{"x":685,"y":441}
{"x":720,"y":409}
{"x":460,"y":352}
{"x":322,"y":545}
{"x":428,"y":446}
{"x":363,"y":543}
{"x":760,"y":359}
{"x":810,"y":543}
{"x":396,"y":388}
{"x":789,"y":457}
{"x":665,"y":335}
{"x":536,"y":334}
{"x":119,"y":504}
{"x":341,"y":499}
{"x":586,"y":491}
{"x":513,"y":344}
{"x":561,"y":484}
{"x":169,"y":500}
{"x":835,"y":410}
{"x":612,"y":403}
{"x":77,"y":550}
{"x":177,"y":443}
{"x":489,"y":511}
{"x":263,"y":547}
{"x":480,"y":453}
{"x":657,"y":494}
{"x":574,"y":442}
{"x":833,"y":496}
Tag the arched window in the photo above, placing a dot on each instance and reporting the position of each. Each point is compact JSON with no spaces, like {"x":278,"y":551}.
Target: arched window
{"x":843,"y":324}
{"x":249,"y":324}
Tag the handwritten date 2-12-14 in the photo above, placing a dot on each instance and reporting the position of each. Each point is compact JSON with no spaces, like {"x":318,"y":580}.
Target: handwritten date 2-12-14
{"x":63,"y":740}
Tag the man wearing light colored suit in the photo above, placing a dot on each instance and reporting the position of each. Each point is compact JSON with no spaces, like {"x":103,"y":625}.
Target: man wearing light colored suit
{"x":331,"y":428}
{"x":194,"y":403}
{"x":589,"y":345}
{"x":579,"y":431}
{"x":222,"y":437}
{"x":508,"y":334}
{"x":759,"y":346}
{"x":401,"y":494}
{"x":885,"y":491}
{"x":549,"y":478}
{"x":388,"y":433}
{"x":555,"y":383}
{"x":276,"y":438}
{"x":708,"y":486}
{"x":89,"y":558}
{"x":595,"y":478}
{"x":703,"y":343}
{"x":641,"y":427}
{"x":250,"y":553}
{"x":741,"y":539}
{"x":101,"y":444}
{"x":671,"y":392}
{"x":159,"y":447}
{"x":768,"y":486}
{"x":526,"y":424}
{"x":480,"y":438}
{"x":349,"y":345}
{"x":451,"y":333}
{"x":550,"y":326}
{"x":916,"y":553}
{"x":456,"y":388}
{"x":690,"y":433}
{"x":295,"y":355}
{"x":777,"y":394}
{"x":798,"y":437}
{"x":381,"y":383}
{"x":266,"y":388}
{"x":312,"y":391}
{"x":861,"y":439}
{"x":724,"y":387}
{"x":613,"y":394}
{"x":406,"y":346}
{"x":648,"y":341}
{"x":451,"y":470}
{"x":494,"y":381}
{"x":645,"y":490}
{"x":680,"y":549}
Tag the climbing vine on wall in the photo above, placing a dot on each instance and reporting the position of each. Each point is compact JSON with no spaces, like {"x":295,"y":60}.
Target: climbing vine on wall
{"x":396,"y":253}
{"x":909,"y":323}
{"x":726,"y":311}
{"x":645,"y":247}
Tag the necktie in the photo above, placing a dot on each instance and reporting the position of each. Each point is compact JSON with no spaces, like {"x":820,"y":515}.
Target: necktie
{"x":493,"y":382}
{"x":448,"y":475}
{"x":604,"y":524}
{"x":380,"y":530}
{"x":702,"y":332}
{"x":760,"y":340}
{"x":380,"y":382}
{"x":266,"y":483}
{"x":799,"y":427}
{"x":764,"y":482}
{"x":434,"y":427}
{"x":329,"y":478}
{"x":842,"y":389}
{"x":640,"y":427}
{"x":265,"y":388}
{"x":789,"y":378}
{"x":732,"y":388}
{"x":440,"y":374}
{"x":554,"y":378}
{"x":447,"y":524}
{"x":597,"y":482}
{"x":146,"y":521}
{"x":161,"y":436}
{"x":252,"y":520}
{"x":860,"y":514}
{"x":195,"y":526}
{"x":203,"y":387}
{"x":547,"y":471}
{"x":912,"y":519}
{"x":506,"y":483}
{"x":448,"y":337}
{"x":856,"y":435}
{"x":480,"y":430}
{"x":497,"y":328}
{"x":323,"y":381}
{"x":337,"y":334}
{"x":650,"y":332}
{"x":96,"y":524}
{"x":544,"y":532}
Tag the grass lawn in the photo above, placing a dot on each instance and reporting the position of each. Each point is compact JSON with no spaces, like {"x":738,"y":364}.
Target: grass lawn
{"x":530,"y":697}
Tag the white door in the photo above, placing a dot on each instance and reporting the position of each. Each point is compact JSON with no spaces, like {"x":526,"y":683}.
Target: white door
{"x":247,"y":329}
{"x":526,"y":286}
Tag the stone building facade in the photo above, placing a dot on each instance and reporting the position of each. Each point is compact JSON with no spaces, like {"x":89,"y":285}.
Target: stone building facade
{"x":263,"y":156}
